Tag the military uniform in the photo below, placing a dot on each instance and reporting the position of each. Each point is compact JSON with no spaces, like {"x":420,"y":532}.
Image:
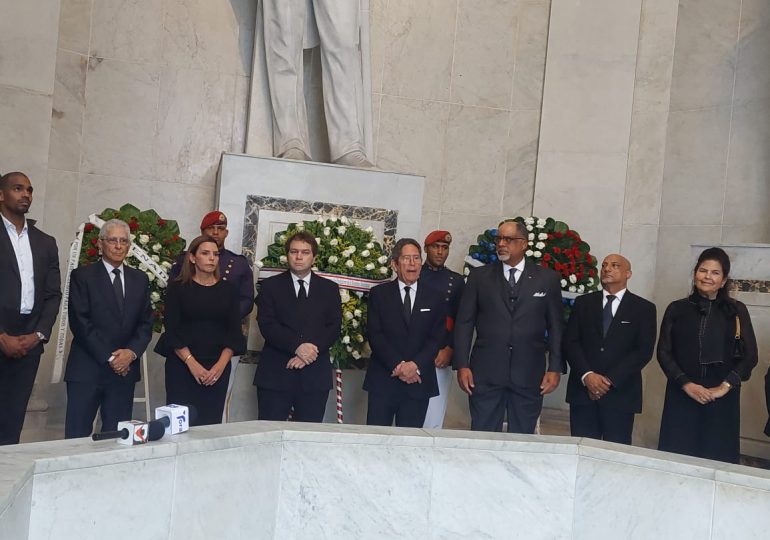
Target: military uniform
{"x":450,"y":284}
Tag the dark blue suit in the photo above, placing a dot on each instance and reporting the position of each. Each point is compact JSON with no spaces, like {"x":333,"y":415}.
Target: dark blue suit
{"x":393,"y":340}
{"x":286,"y":323}
{"x":98,"y":328}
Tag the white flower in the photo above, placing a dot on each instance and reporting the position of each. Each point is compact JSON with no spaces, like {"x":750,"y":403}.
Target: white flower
{"x":349,"y":263}
{"x":348,"y":315}
{"x":357,"y":312}
{"x":370,"y":266}
{"x":369,"y":229}
{"x":529,"y":221}
{"x":345,"y":339}
{"x":282,"y":238}
{"x":529,"y":253}
{"x":334,"y":241}
{"x":383,"y":270}
{"x":590,"y":281}
{"x":530,"y":228}
{"x":581,"y":288}
{"x":541,"y":222}
{"x":320,"y":219}
{"x":333,"y":259}
{"x":365,"y":253}
{"x":572,"y":278}
{"x":156,"y":247}
{"x":150,"y":276}
{"x":540,"y":245}
{"x":344,"y":220}
{"x":599,"y":287}
{"x":466,"y":271}
{"x":341,"y":229}
{"x":563,"y":283}
{"x":370,"y":245}
{"x":154,"y":296}
{"x":144,"y":239}
{"x":317,"y":240}
{"x":572,"y":288}
{"x":349,"y":349}
{"x":314,"y":268}
{"x":346,"y":253}
{"x":155,"y":258}
{"x":352,"y":249}
{"x":142,"y":267}
{"x":259,"y":264}
{"x":360,"y":295}
{"x":344,"y":296}
{"x":542,"y":236}
{"x":166,"y":265}
{"x":161,"y":284}
{"x":327,"y":231}
{"x":538,"y":254}
{"x":282,"y":259}
{"x":300,"y":226}
{"x":531,"y":236}
{"x":355,"y":354}
{"x":383,"y":259}
{"x":359,"y":338}
{"x":354,"y":323}
{"x":133,"y":237}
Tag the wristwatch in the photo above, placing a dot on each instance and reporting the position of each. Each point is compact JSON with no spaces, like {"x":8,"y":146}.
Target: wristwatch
{"x":41,"y":336}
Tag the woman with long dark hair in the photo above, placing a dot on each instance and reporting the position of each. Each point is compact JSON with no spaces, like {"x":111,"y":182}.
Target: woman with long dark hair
{"x":203,"y":331}
{"x":705,"y":365}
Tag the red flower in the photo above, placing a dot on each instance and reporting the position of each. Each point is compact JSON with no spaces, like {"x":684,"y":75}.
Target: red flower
{"x":161,"y":222}
{"x":558,"y":235}
{"x":91,"y":252}
{"x":89,"y":227}
{"x":557,"y":250}
{"x":175,"y":238}
{"x":94,"y":241}
{"x":544,"y":264}
{"x":546,"y":258}
{"x":133,"y":225}
{"x":591,"y":272}
{"x":588,"y":257}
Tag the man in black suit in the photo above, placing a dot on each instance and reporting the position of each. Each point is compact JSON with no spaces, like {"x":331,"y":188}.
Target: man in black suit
{"x":30,"y":293}
{"x":515,"y":307}
{"x":300,"y":315}
{"x":406,"y":327}
{"x":111,"y":318}
{"x":610,"y":338}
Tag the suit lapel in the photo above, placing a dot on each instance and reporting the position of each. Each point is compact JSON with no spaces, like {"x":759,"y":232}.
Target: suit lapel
{"x":104,"y":282}
{"x":7,"y":247}
{"x":527,"y":285}
{"x":619,"y":314}
{"x":596,"y":310}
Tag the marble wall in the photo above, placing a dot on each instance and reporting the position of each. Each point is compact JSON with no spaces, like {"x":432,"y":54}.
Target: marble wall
{"x":457,"y":89}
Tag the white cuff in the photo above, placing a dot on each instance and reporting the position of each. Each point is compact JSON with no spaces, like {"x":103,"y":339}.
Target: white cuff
{"x":583,"y":378}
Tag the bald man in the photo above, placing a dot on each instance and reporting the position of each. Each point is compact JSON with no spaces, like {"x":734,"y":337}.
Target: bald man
{"x":610,"y":338}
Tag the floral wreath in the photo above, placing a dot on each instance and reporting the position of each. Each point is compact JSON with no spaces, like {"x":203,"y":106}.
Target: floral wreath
{"x":350,"y":256}
{"x":159,"y":243}
{"x":551,"y":244}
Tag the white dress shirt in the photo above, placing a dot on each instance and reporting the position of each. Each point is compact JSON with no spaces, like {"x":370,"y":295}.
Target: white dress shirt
{"x":23,"y":252}
{"x":296,"y":279}
{"x":412,"y":292}
{"x":519,"y":270}
{"x":618,"y":297}
{"x":122,"y":269}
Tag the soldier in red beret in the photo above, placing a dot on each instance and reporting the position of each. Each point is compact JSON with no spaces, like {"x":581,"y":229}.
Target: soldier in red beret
{"x":232,"y":267}
{"x":450,"y":284}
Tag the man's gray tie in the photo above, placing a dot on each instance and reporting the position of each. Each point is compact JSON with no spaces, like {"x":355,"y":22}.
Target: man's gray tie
{"x":117,"y":286}
{"x":513,"y":285}
{"x":607,"y":314}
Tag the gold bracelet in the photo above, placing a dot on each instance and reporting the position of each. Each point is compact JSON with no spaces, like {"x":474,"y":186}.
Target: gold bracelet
{"x":729,"y":386}
{"x":187,"y":358}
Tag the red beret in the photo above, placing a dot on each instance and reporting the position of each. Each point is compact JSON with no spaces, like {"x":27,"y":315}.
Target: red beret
{"x":438,"y":236}
{"x":213,"y":218}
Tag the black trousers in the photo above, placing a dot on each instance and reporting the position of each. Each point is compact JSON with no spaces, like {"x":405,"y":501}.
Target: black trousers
{"x":598,"y":421}
{"x":383,"y":410}
{"x":115,"y":402}
{"x":490,"y":407}
{"x":17,"y":376}
{"x":277,"y":404}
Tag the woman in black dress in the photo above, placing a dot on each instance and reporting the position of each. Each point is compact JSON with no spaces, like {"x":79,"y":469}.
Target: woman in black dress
{"x":203,"y":331}
{"x":701,"y":414}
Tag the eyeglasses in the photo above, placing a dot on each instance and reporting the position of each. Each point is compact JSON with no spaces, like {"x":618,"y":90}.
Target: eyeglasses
{"x":507,"y":239}
{"x":410,"y":258}
{"x":113,"y":241}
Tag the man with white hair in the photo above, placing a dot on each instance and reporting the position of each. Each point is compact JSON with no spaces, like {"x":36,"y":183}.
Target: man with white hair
{"x":111,"y":318}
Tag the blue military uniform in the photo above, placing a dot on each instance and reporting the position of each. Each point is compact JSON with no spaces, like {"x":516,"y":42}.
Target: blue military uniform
{"x":450,"y":284}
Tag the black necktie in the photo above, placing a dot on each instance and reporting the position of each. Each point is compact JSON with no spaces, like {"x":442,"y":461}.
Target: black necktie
{"x":607,"y":313}
{"x":407,"y":304}
{"x":117,"y":286}
{"x":513,"y":284}
{"x":302,"y":293}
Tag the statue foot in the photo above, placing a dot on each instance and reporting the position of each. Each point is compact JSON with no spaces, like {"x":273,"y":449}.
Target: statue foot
{"x":296,"y":154}
{"x":356,"y":158}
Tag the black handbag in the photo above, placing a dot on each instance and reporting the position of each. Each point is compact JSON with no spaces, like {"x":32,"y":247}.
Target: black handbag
{"x":739,"y":347}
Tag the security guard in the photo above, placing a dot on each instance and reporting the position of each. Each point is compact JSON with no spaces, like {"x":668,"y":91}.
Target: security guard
{"x":232,"y":267}
{"x":437,"y":276}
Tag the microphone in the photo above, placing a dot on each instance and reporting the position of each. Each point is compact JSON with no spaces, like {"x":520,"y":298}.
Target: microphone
{"x":175,"y":418}
{"x":129,"y":432}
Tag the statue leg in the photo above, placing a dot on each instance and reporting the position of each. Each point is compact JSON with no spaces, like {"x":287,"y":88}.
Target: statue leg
{"x":337,"y":22}
{"x":284,"y":29}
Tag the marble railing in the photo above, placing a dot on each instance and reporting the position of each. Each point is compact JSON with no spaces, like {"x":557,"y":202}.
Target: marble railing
{"x":285,"y":481}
